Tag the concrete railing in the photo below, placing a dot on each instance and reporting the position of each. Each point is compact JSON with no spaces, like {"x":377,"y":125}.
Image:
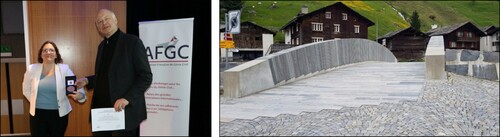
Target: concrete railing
{"x":299,"y":62}
{"x":479,"y":64}
{"x":434,"y":59}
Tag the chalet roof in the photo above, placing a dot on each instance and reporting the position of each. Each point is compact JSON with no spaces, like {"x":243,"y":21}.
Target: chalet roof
{"x":451,"y":28}
{"x":301,"y":17}
{"x":223,"y":28}
{"x":488,"y":30}
{"x":391,"y":34}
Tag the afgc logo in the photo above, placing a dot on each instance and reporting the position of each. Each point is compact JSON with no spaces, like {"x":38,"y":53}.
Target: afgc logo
{"x":169,"y":50}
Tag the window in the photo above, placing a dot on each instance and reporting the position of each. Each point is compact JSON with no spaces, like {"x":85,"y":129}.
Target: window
{"x":463,"y":44}
{"x":453,"y":44}
{"x":297,"y":41}
{"x":336,"y":27}
{"x":257,"y":37}
{"x":344,"y":16}
{"x":356,"y":28}
{"x":469,"y":34}
{"x":460,"y":34}
{"x":293,"y":42}
{"x":317,"y":39}
{"x":328,"y":15}
{"x":317,"y":26}
{"x":473,"y":45}
{"x":298,"y":27}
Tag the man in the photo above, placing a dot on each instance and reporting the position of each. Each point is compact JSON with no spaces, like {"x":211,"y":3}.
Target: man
{"x":122,"y":74}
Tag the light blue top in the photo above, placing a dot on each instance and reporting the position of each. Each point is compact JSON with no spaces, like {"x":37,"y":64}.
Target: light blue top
{"x":47,"y":97}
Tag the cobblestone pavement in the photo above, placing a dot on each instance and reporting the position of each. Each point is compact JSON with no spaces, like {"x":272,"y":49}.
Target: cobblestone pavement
{"x":460,"y":106}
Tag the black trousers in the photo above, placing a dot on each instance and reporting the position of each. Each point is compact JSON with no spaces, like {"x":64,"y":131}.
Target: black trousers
{"x":48,"y":123}
{"x":132,"y":132}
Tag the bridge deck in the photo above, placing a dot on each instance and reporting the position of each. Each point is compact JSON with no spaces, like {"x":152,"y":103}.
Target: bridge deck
{"x":369,"y":83}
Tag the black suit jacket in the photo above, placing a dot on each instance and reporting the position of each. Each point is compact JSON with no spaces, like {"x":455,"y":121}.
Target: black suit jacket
{"x":129,"y":77}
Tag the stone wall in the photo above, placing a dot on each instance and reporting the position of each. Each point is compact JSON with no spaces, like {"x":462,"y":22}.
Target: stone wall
{"x":479,"y":64}
{"x":299,"y":62}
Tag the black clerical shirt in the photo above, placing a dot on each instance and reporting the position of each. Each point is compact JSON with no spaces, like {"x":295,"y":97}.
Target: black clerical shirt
{"x":101,"y":92}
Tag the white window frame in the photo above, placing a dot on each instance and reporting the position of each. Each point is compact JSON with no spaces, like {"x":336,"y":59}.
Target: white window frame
{"x":328,"y":15}
{"x":344,"y":16}
{"x":463,"y":44}
{"x":317,"y":39}
{"x":356,"y":28}
{"x":298,"y":27}
{"x":297,"y":41}
{"x":469,"y":34}
{"x":473,"y":45}
{"x":317,"y":26}
{"x":460,"y":34}
{"x":336,"y":28}
{"x":453,"y":44}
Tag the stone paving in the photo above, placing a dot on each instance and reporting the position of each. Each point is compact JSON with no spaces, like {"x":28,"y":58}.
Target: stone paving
{"x":459,"y":106}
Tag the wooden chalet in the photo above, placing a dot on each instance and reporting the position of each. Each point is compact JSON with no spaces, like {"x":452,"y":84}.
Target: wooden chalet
{"x":330,"y":22}
{"x":250,"y":41}
{"x":459,"y":36}
{"x":406,"y":44}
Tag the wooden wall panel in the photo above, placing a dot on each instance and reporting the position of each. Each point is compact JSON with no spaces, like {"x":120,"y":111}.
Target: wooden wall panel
{"x":70,"y":24}
{"x":4,"y":118}
{"x":20,"y":121}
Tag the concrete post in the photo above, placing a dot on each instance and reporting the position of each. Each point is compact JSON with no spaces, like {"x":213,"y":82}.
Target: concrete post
{"x":435,"y":59}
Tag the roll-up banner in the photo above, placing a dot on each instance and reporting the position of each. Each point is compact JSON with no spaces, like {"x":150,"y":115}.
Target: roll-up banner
{"x":169,"y":46}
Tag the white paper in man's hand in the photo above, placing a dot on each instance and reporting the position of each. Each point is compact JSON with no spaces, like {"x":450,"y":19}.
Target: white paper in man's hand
{"x":107,"y":119}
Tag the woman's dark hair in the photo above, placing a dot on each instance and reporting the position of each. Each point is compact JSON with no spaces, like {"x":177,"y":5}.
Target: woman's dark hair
{"x":58,"y":57}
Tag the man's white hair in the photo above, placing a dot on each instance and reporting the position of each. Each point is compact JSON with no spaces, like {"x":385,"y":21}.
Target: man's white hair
{"x":112,"y":13}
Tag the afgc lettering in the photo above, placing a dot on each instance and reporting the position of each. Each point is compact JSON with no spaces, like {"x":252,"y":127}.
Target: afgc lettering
{"x":170,"y":52}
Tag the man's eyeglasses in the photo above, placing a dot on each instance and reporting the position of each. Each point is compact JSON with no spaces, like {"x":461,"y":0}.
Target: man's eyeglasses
{"x":102,"y":21}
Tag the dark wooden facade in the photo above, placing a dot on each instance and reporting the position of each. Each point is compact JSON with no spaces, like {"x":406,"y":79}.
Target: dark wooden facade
{"x":406,"y":44}
{"x":249,"y":41}
{"x":301,"y":27}
{"x":459,"y":36}
{"x":250,"y":36}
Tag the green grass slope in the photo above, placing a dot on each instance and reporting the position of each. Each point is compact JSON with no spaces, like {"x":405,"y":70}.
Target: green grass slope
{"x":481,"y":13}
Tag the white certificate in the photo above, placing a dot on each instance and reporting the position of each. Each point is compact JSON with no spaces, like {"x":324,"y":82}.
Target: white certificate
{"x":107,"y":119}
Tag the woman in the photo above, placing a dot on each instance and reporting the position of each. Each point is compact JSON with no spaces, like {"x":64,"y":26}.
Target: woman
{"x":44,"y":87}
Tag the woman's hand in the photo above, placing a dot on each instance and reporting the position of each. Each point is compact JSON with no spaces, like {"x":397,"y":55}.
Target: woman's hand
{"x":80,"y":83}
{"x":76,"y":95}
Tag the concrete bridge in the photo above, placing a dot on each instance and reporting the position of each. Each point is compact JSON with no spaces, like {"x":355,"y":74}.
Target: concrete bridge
{"x":300,"y":62}
{"x":324,"y":75}
{"x":354,"y":87}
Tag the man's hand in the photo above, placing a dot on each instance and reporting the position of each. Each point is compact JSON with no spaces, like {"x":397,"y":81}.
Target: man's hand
{"x":120,"y":104}
{"x":80,"y":83}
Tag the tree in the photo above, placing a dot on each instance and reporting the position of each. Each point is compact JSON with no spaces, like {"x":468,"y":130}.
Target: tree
{"x":414,"y":21}
{"x":231,"y":4}
{"x":227,"y":5}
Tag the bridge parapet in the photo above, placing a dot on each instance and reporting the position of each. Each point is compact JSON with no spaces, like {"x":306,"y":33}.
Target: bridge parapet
{"x":300,"y":62}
